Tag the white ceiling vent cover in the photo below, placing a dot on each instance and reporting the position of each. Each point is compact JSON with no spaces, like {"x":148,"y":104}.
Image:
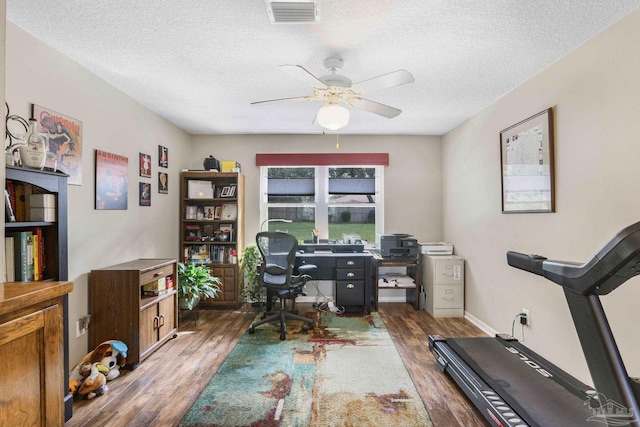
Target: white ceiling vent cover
{"x":294,"y":11}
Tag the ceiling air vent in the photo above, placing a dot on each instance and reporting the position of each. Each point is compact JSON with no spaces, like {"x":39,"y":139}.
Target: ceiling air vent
{"x":293,"y":12}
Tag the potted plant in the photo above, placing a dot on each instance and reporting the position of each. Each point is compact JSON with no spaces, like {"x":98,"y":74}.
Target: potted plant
{"x":249,"y":264}
{"x":195,"y":283}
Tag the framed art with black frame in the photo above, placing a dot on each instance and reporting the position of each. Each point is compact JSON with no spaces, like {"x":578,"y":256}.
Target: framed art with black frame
{"x":163,"y":156}
{"x":527,"y":165}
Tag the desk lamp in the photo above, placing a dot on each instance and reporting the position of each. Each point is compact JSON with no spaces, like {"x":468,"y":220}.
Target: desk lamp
{"x":266,"y":221}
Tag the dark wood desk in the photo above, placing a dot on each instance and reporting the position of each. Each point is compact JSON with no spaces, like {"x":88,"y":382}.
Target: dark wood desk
{"x":351,"y":271}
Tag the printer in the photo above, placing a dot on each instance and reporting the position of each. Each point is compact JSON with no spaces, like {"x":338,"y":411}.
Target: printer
{"x":397,"y":246}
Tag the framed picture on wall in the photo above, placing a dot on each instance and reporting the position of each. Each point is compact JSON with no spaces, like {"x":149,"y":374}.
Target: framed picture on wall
{"x":163,"y":156}
{"x":145,"y":194}
{"x":145,"y":165}
{"x":65,"y":141}
{"x":163,"y":183}
{"x":527,"y":165}
{"x":111,"y":181}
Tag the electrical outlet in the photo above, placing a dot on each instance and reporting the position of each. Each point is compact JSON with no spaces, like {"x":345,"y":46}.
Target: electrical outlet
{"x":526,"y":316}
{"x":80,"y":331}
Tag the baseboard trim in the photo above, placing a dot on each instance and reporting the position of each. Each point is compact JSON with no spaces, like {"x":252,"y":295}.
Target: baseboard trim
{"x":480,"y":324}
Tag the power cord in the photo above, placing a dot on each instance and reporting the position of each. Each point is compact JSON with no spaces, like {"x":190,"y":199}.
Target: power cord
{"x":523,"y":322}
{"x":323,"y":303}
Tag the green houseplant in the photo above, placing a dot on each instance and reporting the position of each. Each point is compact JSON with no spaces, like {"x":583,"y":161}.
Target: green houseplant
{"x":249,"y":264}
{"x":195,"y":283}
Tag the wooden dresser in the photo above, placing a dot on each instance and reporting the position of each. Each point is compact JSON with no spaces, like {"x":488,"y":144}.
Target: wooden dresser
{"x":32,"y":378}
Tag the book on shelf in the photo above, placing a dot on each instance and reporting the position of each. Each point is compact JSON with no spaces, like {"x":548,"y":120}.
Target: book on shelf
{"x":35,"y":247}
{"x":11,"y":217}
{"x":10,"y":267}
{"x":198,"y":254}
{"x":23,"y":255}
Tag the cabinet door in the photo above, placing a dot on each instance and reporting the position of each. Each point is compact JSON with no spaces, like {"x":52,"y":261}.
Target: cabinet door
{"x":32,"y":376}
{"x":149,"y":321}
{"x":166,"y":311}
{"x":228,"y":277}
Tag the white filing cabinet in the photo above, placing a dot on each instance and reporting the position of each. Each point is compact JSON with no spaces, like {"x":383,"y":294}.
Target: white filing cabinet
{"x":443,"y":280}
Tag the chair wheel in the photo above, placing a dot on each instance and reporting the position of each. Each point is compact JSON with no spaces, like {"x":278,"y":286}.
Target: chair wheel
{"x":252,"y":330}
{"x":283,"y":336}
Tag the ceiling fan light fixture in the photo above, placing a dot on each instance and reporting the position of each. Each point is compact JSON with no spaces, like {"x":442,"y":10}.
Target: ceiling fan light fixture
{"x":333,"y":116}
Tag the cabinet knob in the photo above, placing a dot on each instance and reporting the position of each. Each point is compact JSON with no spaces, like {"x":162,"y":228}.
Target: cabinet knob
{"x":351,"y":262}
{"x":351,"y":286}
{"x":156,"y":321}
{"x":350,"y":274}
{"x":162,"y":320}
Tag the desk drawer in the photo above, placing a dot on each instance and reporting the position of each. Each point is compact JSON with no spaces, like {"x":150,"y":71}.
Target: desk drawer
{"x":350,"y":292}
{"x":153,"y":275}
{"x":350,"y":262}
{"x":349,"y":274}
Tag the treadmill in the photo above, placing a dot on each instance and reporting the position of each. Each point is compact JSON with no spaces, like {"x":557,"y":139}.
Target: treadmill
{"x":513,"y":386}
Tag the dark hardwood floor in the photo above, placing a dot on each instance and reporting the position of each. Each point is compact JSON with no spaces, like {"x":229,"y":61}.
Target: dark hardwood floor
{"x":163,"y":388}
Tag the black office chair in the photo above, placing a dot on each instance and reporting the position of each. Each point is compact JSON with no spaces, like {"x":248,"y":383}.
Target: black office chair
{"x":278,"y":252}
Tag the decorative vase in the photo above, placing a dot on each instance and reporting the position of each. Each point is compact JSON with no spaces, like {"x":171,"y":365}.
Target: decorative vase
{"x":33,"y":152}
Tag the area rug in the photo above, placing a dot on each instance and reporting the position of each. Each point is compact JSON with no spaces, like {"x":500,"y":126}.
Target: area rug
{"x":345,"y":372}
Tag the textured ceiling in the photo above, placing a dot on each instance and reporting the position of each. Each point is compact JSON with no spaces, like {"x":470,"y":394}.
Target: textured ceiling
{"x":200,"y":63}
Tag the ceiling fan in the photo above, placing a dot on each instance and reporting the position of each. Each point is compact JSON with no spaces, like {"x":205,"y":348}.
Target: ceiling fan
{"x":336,"y":89}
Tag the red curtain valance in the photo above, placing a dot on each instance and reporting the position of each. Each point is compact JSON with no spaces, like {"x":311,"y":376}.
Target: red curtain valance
{"x":323,"y":159}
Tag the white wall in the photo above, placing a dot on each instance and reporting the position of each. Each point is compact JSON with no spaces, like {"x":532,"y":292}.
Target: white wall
{"x":412,"y":181}
{"x":595,"y":95}
{"x":111,"y":122}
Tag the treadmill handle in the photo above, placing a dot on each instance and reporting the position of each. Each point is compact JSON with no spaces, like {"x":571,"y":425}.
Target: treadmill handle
{"x":527,"y":262}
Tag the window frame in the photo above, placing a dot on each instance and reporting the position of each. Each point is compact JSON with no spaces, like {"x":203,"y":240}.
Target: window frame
{"x":321,"y":202}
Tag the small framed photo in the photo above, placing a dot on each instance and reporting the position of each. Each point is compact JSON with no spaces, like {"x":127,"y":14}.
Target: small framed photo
{"x":200,"y":212}
{"x":145,"y":165}
{"x":163,"y":156}
{"x":217,"y":212}
{"x":209,"y":212}
{"x":163,"y":183}
{"x":229,"y":212}
{"x":145,"y":194}
{"x":226,"y":191}
{"x":527,"y":165}
{"x":191,"y":212}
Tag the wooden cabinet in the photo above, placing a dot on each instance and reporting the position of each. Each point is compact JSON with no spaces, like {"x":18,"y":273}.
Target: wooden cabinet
{"x":212,"y":228}
{"x":129,"y":303}
{"x":52,"y":259}
{"x":32,"y":378}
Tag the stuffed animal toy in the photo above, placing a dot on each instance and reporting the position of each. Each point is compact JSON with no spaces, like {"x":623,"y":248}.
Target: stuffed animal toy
{"x":105,"y":362}
{"x":96,"y":383}
{"x":111,"y":354}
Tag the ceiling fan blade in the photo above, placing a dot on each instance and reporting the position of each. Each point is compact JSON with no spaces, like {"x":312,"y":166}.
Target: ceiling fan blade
{"x":395,"y":78}
{"x":303,"y":75}
{"x":272,"y":101}
{"x":374,"y":107}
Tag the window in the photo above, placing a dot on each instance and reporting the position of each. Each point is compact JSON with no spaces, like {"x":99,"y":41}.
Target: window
{"x":338,"y":201}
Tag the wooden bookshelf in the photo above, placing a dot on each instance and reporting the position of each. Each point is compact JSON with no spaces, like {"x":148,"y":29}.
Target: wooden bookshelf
{"x":212,"y":228}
